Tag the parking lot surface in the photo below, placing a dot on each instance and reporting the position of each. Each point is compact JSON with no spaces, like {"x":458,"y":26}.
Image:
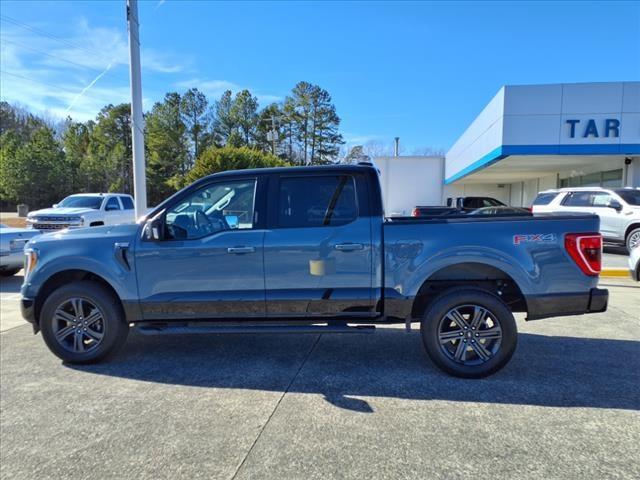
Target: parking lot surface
{"x":326,"y":406}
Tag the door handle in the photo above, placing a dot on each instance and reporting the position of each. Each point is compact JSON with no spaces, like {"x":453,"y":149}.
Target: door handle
{"x":241,"y":250}
{"x":348,"y":247}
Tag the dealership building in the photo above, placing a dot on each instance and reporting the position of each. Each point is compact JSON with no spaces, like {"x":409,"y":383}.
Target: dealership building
{"x":534,"y":137}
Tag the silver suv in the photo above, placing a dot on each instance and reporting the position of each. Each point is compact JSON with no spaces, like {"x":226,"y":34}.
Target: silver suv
{"x":618,"y":209}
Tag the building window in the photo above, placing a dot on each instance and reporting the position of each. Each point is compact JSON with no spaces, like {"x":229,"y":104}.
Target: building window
{"x":610,"y":178}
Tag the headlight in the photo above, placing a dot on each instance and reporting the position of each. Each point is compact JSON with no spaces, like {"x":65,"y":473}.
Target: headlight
{"x":30,"y":261}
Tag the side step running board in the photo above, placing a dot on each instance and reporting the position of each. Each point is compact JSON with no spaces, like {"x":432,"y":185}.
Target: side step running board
{"x":178,"y":330}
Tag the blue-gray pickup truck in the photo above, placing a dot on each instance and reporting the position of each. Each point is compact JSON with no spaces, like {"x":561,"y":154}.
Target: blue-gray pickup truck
{"x":308,"y":249}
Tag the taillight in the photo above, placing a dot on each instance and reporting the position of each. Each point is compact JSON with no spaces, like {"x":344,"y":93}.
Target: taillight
{"x":415,"y":212}
{"x":586,"y":251}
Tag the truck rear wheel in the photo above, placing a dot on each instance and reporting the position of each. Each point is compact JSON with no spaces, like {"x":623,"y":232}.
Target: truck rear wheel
{"x":469,"y":333}
{"x":82,"y":322}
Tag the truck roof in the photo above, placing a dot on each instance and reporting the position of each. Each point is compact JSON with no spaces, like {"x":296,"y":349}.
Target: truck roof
{"x":588,"y":189}
{"x":306,"y":169}
{"x":91,"y":194}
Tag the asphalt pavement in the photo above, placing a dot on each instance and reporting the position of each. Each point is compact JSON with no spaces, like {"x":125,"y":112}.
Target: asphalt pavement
{"x":326,"y":406}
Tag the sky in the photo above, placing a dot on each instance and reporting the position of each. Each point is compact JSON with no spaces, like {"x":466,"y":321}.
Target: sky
{"x":418,"y":70}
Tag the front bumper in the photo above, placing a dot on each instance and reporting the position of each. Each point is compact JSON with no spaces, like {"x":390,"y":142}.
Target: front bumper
{"x":563,"y":304}
{"x":28,"y":311}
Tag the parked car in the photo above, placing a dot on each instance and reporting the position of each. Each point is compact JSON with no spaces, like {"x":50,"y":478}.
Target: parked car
{"x":308,"y":249}
{"x":456,"y":206}
{"x":472,"y":203}
{"x":429,"y":211}
{"x":12,"y":242}
{"x":500,"y":211}
{"x":634,"y":263}
{"x":84,"y":210}
{"x":618,"y":209}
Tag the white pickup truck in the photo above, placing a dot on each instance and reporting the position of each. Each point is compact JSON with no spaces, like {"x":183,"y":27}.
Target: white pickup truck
{"x":84,"y":210}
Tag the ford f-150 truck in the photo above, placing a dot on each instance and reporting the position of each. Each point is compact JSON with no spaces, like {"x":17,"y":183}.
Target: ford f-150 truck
{"x":308,"y":249}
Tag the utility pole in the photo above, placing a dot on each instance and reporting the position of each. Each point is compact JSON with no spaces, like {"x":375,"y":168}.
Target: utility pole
{"x":273,"y":134}
{"x":137,"y":121}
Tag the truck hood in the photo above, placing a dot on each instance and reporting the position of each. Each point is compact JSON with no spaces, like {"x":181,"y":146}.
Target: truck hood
{"x":109,"y":233}
{"x":62,"y":211}
{"x":27,"y":232}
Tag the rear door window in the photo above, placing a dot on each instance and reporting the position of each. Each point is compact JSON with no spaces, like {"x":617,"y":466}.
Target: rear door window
{"x":112,"y":204}
{"x":578,"y":199}
{"x":317,"y":201}
{"x":127,"y":203}
{"x":544,"y":198}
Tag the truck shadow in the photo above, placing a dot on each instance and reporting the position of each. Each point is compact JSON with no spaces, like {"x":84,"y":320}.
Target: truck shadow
{"x":344,"y":368}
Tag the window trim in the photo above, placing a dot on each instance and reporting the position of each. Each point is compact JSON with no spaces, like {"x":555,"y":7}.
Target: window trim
{"x":274,"y":192}
{"x":257,"y":190}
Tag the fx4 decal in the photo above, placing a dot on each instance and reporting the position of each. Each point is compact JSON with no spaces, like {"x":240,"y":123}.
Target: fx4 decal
{"x":534,"y":238}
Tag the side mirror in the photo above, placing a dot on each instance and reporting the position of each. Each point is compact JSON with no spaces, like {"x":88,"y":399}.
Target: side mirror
{"x":616,"y":205}
{"x":55,"y":205}
{"x":232,"y":220}
{"x":153,"y":229}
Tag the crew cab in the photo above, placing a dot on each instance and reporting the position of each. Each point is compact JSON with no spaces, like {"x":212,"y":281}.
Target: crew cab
{"x":308,"y":249}
{"x":84,"y":210}
{"x":618,"y":209}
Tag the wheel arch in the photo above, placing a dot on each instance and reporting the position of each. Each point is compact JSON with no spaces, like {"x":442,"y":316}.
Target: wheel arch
{"x":630,"y":228}
{"x":65,"y":277}
{"x":480,"y":276}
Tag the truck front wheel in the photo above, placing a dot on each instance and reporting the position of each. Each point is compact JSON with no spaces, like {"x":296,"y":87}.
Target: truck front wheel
{"x":469,"y":333}
{"x":82,"y":322}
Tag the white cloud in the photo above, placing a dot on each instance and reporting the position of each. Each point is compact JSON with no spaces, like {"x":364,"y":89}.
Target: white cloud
{"x":49,"y":75}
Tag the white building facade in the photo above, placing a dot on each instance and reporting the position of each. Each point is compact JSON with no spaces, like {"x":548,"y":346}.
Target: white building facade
{"x":531,"y":138}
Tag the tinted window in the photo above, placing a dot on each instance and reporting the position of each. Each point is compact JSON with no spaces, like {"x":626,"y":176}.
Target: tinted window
{"x":78,"y":201}
{"x":544,"y":198}
{"x":127,"y":203}
{"x":491,"y":202}
{"x":578,"y":199}
{"x":317,"y":201}
{"x":112,"y":204}
{"x":472,"y":202}
{"x":211,"y":209}
{"x":632,"y":197}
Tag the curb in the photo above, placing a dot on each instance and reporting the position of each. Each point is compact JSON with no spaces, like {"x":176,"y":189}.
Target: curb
{"x":615,"y":272}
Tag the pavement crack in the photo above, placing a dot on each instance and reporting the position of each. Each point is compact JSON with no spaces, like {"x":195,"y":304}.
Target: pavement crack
{"x":293,"y":379}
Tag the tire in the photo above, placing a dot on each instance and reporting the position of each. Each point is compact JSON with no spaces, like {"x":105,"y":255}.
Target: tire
{"x":9,"y":273}
{"x":97,"y":331}
{"x":633,"y":239}
{"x":490,"y":341}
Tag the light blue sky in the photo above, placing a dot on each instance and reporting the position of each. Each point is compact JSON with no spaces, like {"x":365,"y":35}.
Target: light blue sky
{"x":419,"y":70}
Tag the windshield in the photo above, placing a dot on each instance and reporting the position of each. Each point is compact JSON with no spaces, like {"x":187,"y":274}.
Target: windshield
{"x":80,"y":201}
{"x":632,"y":197}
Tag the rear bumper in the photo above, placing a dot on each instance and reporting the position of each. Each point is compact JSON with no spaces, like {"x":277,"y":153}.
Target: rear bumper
{"x":562,"y":304}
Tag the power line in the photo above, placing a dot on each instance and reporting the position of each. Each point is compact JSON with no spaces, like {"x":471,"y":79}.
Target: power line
{"x":41,"y":32}
{"x":58,"y":87}
{"x":4,"y":40}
